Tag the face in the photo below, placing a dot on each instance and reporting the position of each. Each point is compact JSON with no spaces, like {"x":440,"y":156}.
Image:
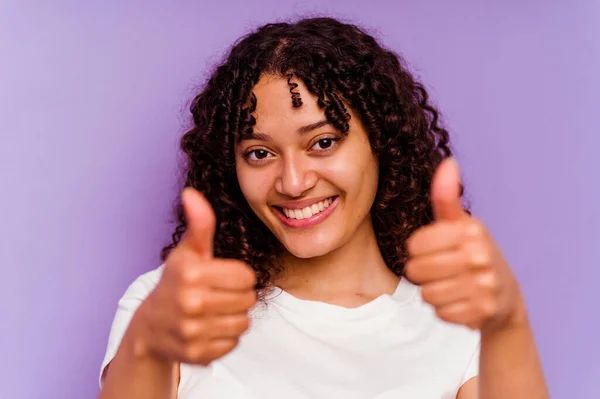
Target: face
{"x":312,"y":186}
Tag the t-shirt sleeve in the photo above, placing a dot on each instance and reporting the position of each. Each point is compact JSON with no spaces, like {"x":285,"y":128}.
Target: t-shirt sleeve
{"x":473,"y":366}
{"x":135,"y":294}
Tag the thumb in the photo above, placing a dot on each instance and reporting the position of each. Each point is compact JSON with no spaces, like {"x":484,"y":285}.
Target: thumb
{"x":201,"y":221}
{"x":445,"y":191}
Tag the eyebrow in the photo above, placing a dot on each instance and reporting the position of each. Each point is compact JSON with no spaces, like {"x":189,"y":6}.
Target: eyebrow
{"x":301,"y":131}
{"x":313,"y":126}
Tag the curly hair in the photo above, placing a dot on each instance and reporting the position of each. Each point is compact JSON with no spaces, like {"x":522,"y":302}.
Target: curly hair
{"x":342,"y":66}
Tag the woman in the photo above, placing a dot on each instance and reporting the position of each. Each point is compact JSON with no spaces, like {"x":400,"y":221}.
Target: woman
{"x":329,"y":255}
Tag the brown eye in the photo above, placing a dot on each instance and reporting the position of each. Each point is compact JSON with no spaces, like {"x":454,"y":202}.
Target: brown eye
{"x":261,"y":154}
{"x":257,"y":155}
{"x":324,"y":144}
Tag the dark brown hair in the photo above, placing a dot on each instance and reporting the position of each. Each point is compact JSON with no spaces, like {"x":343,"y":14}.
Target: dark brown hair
{"x":343,"y":66}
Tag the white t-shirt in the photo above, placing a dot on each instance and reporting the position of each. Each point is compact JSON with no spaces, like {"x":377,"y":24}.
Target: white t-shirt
{"x":393,"y":347}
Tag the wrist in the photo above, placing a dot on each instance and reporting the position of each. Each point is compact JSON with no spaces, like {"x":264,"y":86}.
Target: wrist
{"x":515,"y":319}
{"x":518,"y":317}
{"x":138,"y":343}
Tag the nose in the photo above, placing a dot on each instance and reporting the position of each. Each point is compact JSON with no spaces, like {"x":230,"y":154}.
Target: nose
{"x":296,"y":178}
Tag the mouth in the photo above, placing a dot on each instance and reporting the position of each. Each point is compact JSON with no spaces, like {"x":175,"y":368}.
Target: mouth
{"x":308,"y":216}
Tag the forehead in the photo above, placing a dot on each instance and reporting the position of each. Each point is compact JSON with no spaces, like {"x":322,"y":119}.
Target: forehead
{"x":274,"y":111}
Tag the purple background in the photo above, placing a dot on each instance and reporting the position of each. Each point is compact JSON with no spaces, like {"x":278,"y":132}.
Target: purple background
{"x":93,"y":96}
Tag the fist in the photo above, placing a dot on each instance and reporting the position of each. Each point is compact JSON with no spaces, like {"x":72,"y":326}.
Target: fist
{"x":460,"y":269}
{"x":200,"y":307}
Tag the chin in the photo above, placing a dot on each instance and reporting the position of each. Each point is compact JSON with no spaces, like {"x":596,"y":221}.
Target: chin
{"x":308,"y":248}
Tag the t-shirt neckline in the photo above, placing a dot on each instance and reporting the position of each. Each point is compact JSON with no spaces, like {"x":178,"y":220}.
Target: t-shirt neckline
{"x":382,"y":306}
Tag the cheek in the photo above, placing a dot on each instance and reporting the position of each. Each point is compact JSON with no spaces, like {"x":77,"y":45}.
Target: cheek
{"x":255,"y":185}
{"x":355,"y":173}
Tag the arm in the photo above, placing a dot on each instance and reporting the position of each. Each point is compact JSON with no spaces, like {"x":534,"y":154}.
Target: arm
{"x":464,"y":275}
{"x":509,"y":365}
{"x":134,"y":375}
{"x":192,"y":312}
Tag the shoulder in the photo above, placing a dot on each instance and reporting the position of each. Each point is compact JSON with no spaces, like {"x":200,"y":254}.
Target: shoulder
{"x":135,"y":294}
{"x":442,"y":340}
{"x":423,"y":322}
{"x":143,"y":285}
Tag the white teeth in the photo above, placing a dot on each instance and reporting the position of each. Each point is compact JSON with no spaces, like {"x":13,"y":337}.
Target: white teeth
{"x":308,"y":211}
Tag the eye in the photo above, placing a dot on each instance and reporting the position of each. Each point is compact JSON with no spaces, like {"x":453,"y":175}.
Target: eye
{"x":257,"y":155}
{"x":325,"y":144}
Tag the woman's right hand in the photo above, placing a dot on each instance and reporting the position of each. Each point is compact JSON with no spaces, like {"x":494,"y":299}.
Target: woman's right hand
{"x":199,"y":309}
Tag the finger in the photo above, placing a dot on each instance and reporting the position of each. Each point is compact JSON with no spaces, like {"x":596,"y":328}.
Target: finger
{"x":445,"y":192}
{"x":204,"y":352}
{"x":435,"y":237}
{"x":168,"y":347}
{"x":213,"y":327}
{"x":462,"y":313}
{"x":218,"y":348}
{"x":200,"y":222}
{"x":229,"y":326}
{"x":447,"y":291}
{"x":216,"y":273}
{"x":212,"y":302}
{"x":438,"y":266}
{"x":226,"y":274}
{"x":478,"y":254}
{"x":163,"y":342}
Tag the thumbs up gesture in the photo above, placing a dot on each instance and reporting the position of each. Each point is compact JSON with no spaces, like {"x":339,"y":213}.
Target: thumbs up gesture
{"x":460,"y":269}
{"x":198,"y":310}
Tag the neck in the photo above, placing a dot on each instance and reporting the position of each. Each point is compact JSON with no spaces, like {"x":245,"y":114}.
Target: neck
{"x":355,"y":270}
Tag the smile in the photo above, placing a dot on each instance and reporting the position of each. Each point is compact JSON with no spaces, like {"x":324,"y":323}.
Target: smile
{"x":307,"y":216}
{"x":308,"y":211}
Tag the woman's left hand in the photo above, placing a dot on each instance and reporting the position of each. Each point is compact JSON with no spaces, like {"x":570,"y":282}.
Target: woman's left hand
{"x":460,"y":269}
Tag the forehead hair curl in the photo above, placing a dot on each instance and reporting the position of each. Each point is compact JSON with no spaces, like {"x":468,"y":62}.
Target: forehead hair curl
{"x":342,"y":66}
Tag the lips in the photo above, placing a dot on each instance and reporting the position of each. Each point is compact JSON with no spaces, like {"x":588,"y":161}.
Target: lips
{"x":309,"y":215}
{"x":308,"y":211}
